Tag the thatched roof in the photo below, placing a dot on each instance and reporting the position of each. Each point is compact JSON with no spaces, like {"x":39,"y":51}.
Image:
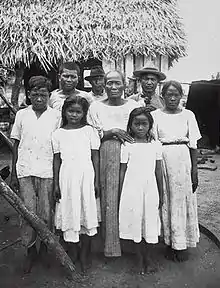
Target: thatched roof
{"x":68,"y":29}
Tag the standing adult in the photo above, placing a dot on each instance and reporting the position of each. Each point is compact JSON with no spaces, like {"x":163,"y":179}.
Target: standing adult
{"x":178,"y":131}
{"x":149,"y":79}
{"x":68,"y":80}
{"x":110,"y":117}
{"x":32,"y":163}
{"x":96,"y":79}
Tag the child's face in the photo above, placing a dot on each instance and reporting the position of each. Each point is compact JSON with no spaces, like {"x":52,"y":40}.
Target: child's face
{"x":74,"y":114}
{"x":68,"y":80}
{"x":140,"y":126}
{"x":39,"y":98}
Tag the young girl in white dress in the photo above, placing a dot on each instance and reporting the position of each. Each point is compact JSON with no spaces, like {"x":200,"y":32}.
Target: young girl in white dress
{"x":141,"y":187}
{"x":76,"y":177}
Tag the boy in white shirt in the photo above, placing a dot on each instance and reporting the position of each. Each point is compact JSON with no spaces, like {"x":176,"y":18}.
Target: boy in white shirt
{"x":32,"y":164}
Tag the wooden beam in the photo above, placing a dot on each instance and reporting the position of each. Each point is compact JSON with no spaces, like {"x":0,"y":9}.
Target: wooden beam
{"x":129,"y":65}
{"x":41,"y":228}
{"x":108,"y":65}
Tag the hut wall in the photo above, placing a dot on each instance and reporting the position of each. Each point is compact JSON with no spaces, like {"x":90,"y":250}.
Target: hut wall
{"x":132,"y":62}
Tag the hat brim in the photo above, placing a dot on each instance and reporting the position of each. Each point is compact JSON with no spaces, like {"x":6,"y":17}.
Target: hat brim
{"x":91,"y":77}
{"x":161,"y":76}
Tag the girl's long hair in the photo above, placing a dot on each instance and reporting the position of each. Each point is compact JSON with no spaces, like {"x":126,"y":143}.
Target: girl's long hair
{"x":137,"y":112}
{"x":75,"y":100}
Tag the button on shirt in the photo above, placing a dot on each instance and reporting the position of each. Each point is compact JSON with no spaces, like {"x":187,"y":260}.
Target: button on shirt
{"x":35,"y":154}
{"x":57,"y":98}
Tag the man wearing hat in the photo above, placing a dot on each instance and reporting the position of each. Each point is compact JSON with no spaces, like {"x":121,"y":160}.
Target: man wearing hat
{"x":149,"y":78}
{"x":96,"y":79}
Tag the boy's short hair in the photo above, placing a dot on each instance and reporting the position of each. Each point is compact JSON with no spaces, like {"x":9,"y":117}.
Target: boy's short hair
{"x":39,"y":82}
{"x":69,"y":66}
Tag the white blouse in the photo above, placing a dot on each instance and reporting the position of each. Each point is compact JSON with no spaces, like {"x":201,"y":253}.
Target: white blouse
{"x":176,"y":127}
{"x":105,"y":117}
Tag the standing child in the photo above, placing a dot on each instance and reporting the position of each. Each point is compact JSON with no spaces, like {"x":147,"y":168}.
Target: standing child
{"x":140,"y":181}
{"x":76,"y":176}
{"x":32,"y":166}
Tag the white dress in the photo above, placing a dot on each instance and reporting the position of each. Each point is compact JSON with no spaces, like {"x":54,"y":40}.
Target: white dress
{"x":179,"y":211}
{"x":138,"y":212}
{"x":76,"y":212}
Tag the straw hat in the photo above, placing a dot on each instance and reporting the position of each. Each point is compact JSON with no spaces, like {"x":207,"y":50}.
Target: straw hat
{"x":150,"y":70}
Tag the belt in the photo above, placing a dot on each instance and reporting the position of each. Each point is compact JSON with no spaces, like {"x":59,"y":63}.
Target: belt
{"x":176,"y":143}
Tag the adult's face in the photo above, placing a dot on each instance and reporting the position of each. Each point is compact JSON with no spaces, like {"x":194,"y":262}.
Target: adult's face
{"x":98,"y":84}
{"x":149,"y":83}
{"x":172,"y":98}
{"x":39,"y":98}
{"x":114,"y":85}
{"x":68,"y":80}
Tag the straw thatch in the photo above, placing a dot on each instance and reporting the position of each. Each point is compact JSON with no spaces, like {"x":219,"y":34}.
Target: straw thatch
{"x":68,"y":29}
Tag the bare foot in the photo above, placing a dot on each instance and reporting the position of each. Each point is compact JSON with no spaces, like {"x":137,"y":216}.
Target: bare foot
{"x":181,"y":255}
{"x":150,"y":269}
{"x":30,"y":259}
{"x":139,"y":267}
{"x":170,"y":253}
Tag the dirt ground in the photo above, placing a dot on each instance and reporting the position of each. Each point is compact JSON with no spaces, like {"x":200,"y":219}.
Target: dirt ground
{"x":201,"y":270}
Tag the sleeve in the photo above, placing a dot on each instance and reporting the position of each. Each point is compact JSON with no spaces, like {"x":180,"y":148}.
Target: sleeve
{"x":58,"y":119}
{"x":124,"y":153}
{"x":158,"y":150}
{"x":17,"y":127}
{"x":193,"y":130}
{"x":93,"y":118}
{"x":89,"y":98}
{"x":51,"y":100}
{"x":95,"y":139}
{"x":55,"y":142}
{"x":154,"y":130}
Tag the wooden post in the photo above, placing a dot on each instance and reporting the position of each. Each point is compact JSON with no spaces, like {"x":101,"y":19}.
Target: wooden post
{"x":40,"y":227}
{"x":138,"y":62}
{"x":108,"y":65}
{"x":19,"y":74}
{"x":120,"y":64}
{"x":129,"y":67}
{"x":6,"y":140}
{"x":164,"y":64}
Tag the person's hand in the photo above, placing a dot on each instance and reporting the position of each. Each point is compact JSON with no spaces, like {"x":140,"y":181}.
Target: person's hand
{"x":97,"y":189}
{"x":150,"y":107}
{"x":194,"y":177}
{"x":14,"y":184}
{"x":56,"y":193}
{"x":122,"y":135}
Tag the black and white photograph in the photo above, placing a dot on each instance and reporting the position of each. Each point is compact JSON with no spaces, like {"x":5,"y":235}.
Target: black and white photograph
{"x":109,"y":144}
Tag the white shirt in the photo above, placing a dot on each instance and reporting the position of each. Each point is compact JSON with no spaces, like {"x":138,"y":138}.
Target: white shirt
{"x":57,"y":98}
{"x":96,"y":97}
{"x":35,"y":154}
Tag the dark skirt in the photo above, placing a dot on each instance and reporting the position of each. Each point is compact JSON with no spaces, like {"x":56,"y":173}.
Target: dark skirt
{"x":109,"y":177}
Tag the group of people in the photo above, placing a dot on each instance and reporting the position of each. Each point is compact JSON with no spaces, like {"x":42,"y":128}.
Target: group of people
{"x":126,"y":165}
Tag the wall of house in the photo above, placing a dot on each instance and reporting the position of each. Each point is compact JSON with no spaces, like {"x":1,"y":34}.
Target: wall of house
{"x":131,"y":63}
